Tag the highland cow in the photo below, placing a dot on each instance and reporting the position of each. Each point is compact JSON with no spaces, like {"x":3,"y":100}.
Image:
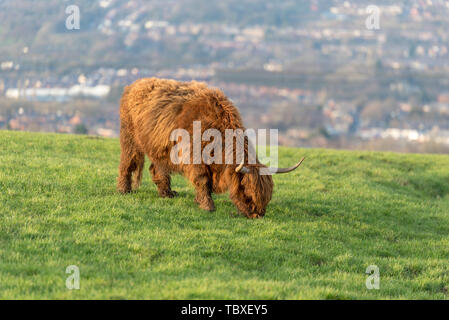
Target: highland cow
{"x":151,"y":109}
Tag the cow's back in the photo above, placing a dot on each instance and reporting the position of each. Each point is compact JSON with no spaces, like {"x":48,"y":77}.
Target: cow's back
{"x":156,"y":107}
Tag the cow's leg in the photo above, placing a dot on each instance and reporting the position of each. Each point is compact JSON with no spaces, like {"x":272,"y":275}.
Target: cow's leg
{"x":161,"y":177}
{"x":199,"y":177}
{"x":130,"y":164}
{"x":139,"y":159}
{"x":131,"y":160}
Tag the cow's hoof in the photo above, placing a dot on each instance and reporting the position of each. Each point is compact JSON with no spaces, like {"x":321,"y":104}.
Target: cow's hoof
{"x":208,"y":206}
{"x":168,"y":194}
{"x":123,"y":191}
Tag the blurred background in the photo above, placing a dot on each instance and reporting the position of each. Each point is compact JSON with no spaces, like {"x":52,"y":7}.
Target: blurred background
{"x":317,"y":70}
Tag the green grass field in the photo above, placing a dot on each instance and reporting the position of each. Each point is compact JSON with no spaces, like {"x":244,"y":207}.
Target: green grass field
{"x":328,"y":221}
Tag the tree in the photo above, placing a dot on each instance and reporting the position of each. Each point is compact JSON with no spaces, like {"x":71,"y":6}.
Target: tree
{"x":80,"y":129}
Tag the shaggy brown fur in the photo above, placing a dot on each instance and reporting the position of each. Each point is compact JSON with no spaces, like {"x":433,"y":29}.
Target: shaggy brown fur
{"x":150,"y":110}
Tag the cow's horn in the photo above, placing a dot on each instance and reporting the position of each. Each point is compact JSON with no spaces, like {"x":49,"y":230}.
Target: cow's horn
{"x":241,"y":168}
{"x":285,"y":170}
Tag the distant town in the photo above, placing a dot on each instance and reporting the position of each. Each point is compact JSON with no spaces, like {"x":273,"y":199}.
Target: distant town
{"x":323,"y":81}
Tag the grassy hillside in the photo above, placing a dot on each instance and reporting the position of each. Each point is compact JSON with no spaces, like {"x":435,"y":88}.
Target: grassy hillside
{"x":328,"y":221}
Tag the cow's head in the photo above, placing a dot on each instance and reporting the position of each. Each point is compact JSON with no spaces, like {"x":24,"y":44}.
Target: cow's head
{"x":251,"y":187}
